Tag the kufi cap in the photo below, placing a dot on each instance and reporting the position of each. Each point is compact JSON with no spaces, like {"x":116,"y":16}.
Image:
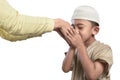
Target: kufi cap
{"x":87,"y":13}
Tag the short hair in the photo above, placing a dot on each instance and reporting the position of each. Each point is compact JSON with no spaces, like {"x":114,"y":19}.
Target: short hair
{"x":94,"y":23}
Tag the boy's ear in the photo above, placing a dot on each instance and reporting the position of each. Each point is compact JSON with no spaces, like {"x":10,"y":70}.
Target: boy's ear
{"x":95,"y":30}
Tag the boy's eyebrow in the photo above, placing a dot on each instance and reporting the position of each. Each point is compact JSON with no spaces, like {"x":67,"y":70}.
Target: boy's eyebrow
{"x":80,"y":24}
{"x":76,"y":24}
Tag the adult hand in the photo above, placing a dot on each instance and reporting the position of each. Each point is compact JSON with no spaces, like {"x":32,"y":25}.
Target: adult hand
{"x":59,"y":24}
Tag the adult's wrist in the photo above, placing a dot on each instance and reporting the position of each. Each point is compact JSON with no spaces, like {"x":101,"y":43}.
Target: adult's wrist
{"x":57,"y":24}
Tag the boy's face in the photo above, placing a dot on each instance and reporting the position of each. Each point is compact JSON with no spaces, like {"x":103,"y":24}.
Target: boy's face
{"x":85,"y":29}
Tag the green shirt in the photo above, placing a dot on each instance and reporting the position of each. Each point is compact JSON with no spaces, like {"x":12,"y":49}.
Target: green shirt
{"x":14,"y":26}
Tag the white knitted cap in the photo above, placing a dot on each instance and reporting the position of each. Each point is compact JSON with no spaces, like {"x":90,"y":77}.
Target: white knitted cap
{"x":87,"y":13}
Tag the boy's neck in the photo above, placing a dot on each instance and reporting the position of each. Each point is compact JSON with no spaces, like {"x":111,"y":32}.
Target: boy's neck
{"x":90,"y":41}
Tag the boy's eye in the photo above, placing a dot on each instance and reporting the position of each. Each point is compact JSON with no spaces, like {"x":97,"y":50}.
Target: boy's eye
{"x":80,"y":27}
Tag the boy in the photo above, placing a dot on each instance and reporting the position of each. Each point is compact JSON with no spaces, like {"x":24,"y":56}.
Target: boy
{"x":88,"y":58}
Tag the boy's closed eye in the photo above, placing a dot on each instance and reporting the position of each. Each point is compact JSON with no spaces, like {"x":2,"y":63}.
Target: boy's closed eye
{"x":79,"y":26}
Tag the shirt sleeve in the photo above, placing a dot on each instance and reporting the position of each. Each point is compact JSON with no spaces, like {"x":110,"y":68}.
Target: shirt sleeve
{"x":104,"y":56}
{"x":22,"y":26}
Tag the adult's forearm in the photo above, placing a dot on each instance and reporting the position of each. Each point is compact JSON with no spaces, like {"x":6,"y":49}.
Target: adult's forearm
{"x":14,"y":24}
{"x":32,"y":26}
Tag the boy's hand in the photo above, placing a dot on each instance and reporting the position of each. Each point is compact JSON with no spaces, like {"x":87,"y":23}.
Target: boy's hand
{"x":72,"y":36}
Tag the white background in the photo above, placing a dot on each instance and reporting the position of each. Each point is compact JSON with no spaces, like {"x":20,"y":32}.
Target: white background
{"x":41,"y":58}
